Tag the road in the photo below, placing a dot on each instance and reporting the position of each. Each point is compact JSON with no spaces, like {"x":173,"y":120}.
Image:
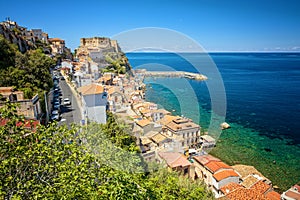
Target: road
{"x":70,"y":113}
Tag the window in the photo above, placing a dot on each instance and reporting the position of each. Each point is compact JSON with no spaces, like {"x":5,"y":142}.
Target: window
{"x":182,"y":144}
{"x":188,"y":134}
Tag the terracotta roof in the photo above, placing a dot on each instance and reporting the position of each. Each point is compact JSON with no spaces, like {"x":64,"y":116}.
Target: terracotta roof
{"x":174,"y":159}
{"x":261,"y":187}
{"x":143,"y":122}
{"x":26,"y":124}
{"x":225,"y":174}
{"x":217,"y":165}
{"x":91,"y":89}
{"x":259,"y":191}
{"x":204,"y":159}
{"x":273,"y":195}
{"x":245,"y":194}
{"x":230,"y":187}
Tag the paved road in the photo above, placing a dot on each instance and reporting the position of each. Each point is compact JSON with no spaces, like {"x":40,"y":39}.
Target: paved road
{"x":70,"y":113}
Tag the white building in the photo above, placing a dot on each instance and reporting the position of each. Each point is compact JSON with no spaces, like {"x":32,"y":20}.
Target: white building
{"x":94,"y":100}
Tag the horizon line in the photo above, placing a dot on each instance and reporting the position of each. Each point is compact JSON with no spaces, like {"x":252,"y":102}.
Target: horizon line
{"x":213,"y":52}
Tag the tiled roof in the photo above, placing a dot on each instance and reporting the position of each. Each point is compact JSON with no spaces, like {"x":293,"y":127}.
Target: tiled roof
{"x":225,"y":174}
{"x":204,"y":159}
{"x":157,"y":138}
{"x":230,"y":187}
{"x":174,"y":159}
{"x":91,"y":89}
{"x":245,"y":194}
{"x":249,"y":181}
{"x":26,"y":124}
{"x":245,"y":170}
{"x":261,"y":187}
{"x":273,"y":195}
{"x":167,"y":119}
{"x":217,"y":165}
{"x":181,"y":124}
{"x":143,"y":122}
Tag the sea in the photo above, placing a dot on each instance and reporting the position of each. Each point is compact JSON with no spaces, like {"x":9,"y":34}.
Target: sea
{"x":258,"y":94}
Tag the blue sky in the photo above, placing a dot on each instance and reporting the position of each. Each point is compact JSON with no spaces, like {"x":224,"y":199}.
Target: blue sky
{"x":217,"y":25}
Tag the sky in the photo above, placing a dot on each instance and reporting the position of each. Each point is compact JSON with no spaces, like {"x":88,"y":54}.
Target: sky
{"x":216,"y":25}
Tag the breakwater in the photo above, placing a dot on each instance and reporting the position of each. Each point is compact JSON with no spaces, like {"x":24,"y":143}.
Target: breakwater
{"x":177,"y":74}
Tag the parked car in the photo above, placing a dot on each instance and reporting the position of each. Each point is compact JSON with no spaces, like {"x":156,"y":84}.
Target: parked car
{"x":67,"y":102}
{"x":55,"y":117}
{"x":55,"y":112}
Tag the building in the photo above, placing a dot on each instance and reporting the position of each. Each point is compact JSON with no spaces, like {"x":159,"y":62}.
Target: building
{"x":259,"y":191}
{"x":97,"y":44}
{"x":207,"y":142}
{"x":57,"y":45}
{"x":214,"y":173}
{"x":184,"y":129}
{"x":176,"y":161}
{"x":291,"y":194}
{"x":30,"y":108}
{"x":94,"y":100}
{"x":148,"y":126}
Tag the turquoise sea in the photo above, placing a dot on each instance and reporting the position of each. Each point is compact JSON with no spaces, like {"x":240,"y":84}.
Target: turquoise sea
{"x":263,"y":105}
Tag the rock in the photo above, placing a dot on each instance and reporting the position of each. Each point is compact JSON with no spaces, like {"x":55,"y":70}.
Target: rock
{"x":225,"y":125}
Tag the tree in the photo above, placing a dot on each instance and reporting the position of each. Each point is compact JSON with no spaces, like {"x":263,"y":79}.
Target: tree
{"x":54,"y":162}
{"x":45,"y":163}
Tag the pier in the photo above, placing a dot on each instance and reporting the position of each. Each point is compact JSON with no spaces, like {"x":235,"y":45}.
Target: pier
{"x":170,"y":74}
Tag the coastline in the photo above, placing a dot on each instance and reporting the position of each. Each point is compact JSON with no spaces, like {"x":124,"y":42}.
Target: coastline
{"x":233,"y":146}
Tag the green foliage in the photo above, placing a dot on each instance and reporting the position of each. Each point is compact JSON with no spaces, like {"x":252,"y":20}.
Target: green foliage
{"x":118,"y":63}
{"x":7,"y":54}
{"x":46,"y":163}
{"x":55,"y":162}
{"x":28,"y":72}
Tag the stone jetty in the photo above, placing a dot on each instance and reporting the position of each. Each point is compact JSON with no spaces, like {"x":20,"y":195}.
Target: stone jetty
{"x":180,"y":74}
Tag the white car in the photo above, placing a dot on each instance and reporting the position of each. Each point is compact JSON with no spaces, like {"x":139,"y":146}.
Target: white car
{"x":67,"y":102}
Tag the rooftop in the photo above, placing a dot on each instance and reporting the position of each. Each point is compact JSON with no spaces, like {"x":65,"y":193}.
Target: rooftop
{"x":91,"y":89}
{"x":180,"y":123}
{"x":249,"y":181}
{"x":230,"y":187}
{"x":261,"y":187}
{"x":204,"y":159}
{"x":245,"y":170}
{"x":157,"y":138}
{"x":273,"y":195}
{"x":214,"y":166}
{"x":143,"y":122}
{"x":245,"y":194}
{"x":225,"y":174}
{"x":174,"y":159}
{"x":208,"y":138}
